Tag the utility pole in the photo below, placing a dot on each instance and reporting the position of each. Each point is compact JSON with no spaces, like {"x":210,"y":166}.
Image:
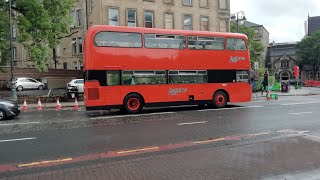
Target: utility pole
{"x":13,"y":84}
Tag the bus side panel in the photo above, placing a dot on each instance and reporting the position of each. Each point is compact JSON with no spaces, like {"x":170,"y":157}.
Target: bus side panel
{"x":240,"y":92}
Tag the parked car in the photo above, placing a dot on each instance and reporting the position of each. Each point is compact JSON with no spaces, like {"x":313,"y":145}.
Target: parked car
{"x":24,"y":83}
{"x":75,"y":87}
{"x":8,"y":109}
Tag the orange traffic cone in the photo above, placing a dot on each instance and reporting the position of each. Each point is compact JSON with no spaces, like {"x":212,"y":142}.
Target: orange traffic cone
{"x":76,"y":105}
{"x":268,"y":96}
{"x":39,"y":107}
{"x":58,"y":106}
{"x":25,"y":106}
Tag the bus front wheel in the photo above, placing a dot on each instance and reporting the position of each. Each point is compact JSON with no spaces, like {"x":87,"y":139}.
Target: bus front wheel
{"x":133,"y":103}
{"x":220,"y":99}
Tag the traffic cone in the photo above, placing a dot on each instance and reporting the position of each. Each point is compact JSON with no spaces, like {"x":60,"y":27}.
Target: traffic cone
{"x":76,"y":105}
{"x":25,"y":106}
{"x":39,"y":107}
{"x":268,"y":96}
{"x":58,"y":106}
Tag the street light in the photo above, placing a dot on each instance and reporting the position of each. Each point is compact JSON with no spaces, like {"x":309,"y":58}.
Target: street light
{"x":240,"y":17}
{"x":13,"y":85}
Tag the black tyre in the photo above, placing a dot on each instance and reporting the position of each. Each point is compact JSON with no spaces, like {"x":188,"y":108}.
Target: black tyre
{"x":2,"y":115}
{"x":19,"y":88}
{"x":133,"y":103}
{"x":220,"y":99}
{"x":40,"y":87}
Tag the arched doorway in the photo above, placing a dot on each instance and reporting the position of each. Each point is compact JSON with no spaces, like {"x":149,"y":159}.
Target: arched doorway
{"x":284,"y":76}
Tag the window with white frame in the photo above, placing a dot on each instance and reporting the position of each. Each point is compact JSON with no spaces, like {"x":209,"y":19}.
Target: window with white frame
{"x":168,"y":21}
{"x":149,"y":19}
{"x":187,"y":22}
{"x":204,"y":23}
{"x":113,"y":16}
{"x":132,"y":17}
{"x":187,"y":2}
{"x":223,"y":4}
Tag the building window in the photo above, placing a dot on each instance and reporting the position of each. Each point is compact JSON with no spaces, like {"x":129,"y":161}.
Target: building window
{"x":223,"y":4}
{"x":187,"y":2}
{"x":284,"y":64}
{"x":79,"y":18}
{"x":90,"y":4}
{"x":168,"y":21}
{"x":28,"y":55}
{"x":204,"y":23}
{"x":114,"y":16}
{"x":168,"y":1}
{"x":64,"y":51}
{"x":149,"y":0}
{"x":148,"y":19}
{"x":73,"y":19}
{"x":223,"y":25}
{"x":14,"y":32}
{"x":132,"y":17}
{"x":65,"y":65}
{"x":80,"y":46}
{"x":204,"y":3}
{"x":187,"y":22}
{"x":74,"y":46}
{"x":75,"y":65}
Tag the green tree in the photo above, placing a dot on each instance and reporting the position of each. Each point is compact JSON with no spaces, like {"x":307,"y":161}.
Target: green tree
{"x":254,"y":46}
{"x":308,"y":51}
{"x":41,"y":24}
{"x":4,"y":33}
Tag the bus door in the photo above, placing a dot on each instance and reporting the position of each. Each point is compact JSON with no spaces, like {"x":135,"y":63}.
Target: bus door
{"x":112,"y":90}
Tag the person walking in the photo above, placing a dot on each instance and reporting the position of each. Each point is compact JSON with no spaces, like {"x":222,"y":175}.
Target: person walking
{"x":265,"y":82}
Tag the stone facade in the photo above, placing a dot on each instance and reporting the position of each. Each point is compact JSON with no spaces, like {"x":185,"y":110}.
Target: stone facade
{"x":166,"y":14}
{"x":261,"y":35}
{"x":281,"y":59}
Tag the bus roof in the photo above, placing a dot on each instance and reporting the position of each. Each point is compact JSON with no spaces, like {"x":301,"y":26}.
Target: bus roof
{"x":97,"y":28}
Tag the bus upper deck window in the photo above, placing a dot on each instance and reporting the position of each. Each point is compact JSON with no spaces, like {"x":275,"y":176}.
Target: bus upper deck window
{"x":236,"y":44}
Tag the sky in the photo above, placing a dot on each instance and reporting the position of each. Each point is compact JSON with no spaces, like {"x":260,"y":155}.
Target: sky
{"x":283,"y":19}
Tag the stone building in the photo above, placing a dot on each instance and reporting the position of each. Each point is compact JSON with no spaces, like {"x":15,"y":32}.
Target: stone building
{"x":281,"y":58}
{"x":312,"y":24}
{"x":206,"y":15}
{"x":261,"y":35}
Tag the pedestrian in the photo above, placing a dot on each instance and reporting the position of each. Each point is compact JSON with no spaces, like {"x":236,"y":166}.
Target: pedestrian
{"x":265,"y":82}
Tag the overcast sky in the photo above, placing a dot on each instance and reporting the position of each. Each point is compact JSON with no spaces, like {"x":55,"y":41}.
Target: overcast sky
{"x":284,"y":19}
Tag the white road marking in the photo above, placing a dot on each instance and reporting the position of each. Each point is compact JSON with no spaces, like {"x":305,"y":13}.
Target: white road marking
{"x":134,"y":115}
{"x":248,"y":107}
{"x":191,"y":123}
{"x":22,"y":139}
{"x":26,"y":123}
{"x":293,"y":104}
{"x":301,"y":113}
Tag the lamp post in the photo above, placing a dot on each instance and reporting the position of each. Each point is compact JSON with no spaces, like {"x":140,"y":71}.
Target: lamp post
{"x":240,"y":16}
{"x":13,"y":85}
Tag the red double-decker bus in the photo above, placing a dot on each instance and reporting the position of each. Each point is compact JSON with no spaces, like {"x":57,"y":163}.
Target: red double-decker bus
{"x":131,"y":68}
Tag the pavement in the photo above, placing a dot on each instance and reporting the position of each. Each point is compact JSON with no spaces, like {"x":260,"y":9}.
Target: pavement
{"x":277,"y":139}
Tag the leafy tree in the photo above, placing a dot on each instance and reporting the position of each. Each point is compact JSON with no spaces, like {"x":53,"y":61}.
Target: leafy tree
{"x":4,"y":33}
{"x":41,"y":24}
{"x":254,"y":46}
{"x":308,"y":51}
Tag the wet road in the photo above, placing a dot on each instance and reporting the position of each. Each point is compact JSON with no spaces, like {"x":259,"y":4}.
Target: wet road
{"x":50,"y":135}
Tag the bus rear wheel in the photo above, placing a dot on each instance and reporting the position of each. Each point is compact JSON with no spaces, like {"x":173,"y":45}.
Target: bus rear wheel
{"x":133,"y":103}
{"x":220,"y":99}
